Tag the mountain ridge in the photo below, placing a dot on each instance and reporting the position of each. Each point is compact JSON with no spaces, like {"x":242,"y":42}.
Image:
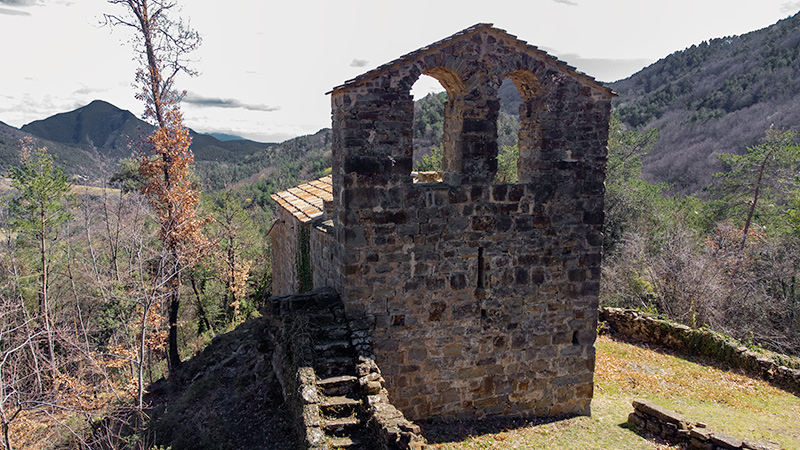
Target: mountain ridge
{"x":719,"y":96}
{"x":100,"y":132}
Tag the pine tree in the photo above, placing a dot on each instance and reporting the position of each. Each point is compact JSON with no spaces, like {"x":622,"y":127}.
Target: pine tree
{"x":764,"y":172}
{"x":38,"y":211}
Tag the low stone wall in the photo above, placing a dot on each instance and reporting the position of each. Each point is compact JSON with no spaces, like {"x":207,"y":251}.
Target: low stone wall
{"x":292,"y":362}
{"x":388,"y":425}
{"x":643,"y":327}
{"x":673,"y":427}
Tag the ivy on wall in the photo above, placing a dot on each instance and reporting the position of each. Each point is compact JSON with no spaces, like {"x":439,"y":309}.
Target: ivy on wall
{"x":305,"y":281}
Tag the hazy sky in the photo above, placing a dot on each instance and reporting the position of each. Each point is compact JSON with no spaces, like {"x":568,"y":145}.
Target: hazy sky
{"x":265,"y":66}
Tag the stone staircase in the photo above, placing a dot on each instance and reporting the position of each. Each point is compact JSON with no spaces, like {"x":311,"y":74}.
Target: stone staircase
{"x":330,"y":378}
{"x":340,"y":398}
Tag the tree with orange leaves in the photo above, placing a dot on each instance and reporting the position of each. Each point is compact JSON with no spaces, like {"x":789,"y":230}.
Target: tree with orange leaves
{"x":162,"y":45}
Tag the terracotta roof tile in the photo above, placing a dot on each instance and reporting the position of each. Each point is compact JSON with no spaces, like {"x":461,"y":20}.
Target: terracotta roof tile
{"x":305,"y":201}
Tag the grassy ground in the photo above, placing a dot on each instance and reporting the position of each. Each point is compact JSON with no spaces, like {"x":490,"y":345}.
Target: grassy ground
{"x":728,"y":402}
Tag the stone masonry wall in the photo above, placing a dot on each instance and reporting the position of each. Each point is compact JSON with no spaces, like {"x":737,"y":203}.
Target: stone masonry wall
{"x":321,"y":247}
{"x":284,"y":242}
{"x":482,"y":297}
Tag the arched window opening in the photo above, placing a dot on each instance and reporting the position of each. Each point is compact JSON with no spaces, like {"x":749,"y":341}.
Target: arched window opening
{"x":528,"y":104}
{"x":508,"y":133}
{"x":430,"y":98}
{"x":448,"y":109}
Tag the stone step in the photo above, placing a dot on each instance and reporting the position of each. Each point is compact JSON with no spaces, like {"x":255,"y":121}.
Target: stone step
{"x":330,"y":366}
{"x":332,"y":332}
{"x":339,"y":314}
{"x":320,"y":318}
{"x":342,"y":426}
{"x":333,"y":347}
{"x":339,"y":406}
{"x":345,"y":442}
{"x":338,"y":385}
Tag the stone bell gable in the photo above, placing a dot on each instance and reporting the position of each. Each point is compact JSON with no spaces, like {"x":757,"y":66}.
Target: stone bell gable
{"x":374,"y":110}
{"x":481,"y":297}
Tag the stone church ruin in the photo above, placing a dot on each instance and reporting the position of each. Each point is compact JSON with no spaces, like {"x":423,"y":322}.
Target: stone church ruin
{"x":480,"y":298}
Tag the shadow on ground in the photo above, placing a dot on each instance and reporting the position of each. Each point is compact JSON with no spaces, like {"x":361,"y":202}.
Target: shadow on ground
{"x":226,"y":397}
{"x":444,"y":431}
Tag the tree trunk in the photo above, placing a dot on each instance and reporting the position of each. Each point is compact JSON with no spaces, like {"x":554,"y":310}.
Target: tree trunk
{"x":140,"y":363}
{"x":6,"y":436}
{"x":200,"y":309}
{"x":3,"y":416}
{"x":174,"y":305}
{"x":755,"y":201}
{"x":44,"y":306}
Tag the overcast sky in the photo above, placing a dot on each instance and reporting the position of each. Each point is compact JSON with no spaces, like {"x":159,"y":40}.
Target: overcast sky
{"x":264,"y":67}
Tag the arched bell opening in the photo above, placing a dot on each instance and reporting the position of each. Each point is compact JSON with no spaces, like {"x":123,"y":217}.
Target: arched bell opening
{"x":435,"y":146}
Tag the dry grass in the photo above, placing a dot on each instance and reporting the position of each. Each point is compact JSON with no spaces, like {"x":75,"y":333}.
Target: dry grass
{"x":728,"y":402}
{"x":5,"y":185}
{"x":36,"y":430}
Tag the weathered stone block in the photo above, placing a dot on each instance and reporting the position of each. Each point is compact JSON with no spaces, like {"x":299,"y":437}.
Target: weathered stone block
{"x":700,"y":434}
{"x":726,"y":441}
{"x":700,"y":445}
{"x":760,"y":445}
{"x":653,"y":426}
{"x":659,"y":412}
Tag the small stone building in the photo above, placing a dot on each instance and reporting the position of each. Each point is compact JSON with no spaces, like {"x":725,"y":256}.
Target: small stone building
{"x":482,"y":297}
{"x":300,"y":231}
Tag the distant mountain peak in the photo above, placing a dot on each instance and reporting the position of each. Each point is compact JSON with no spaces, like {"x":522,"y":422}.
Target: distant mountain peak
{"x":96,"y":125}
{"x":225,"y":137}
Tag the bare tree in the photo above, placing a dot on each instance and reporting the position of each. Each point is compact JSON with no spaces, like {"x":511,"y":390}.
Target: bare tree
{"x":134,"y":290}
{"x":38,"y":211}
{"x":163,"y":44}
{"x":18,"y":384}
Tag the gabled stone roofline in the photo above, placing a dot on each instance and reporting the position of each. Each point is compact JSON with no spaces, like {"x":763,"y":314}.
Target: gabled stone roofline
{"x":582,"y":78}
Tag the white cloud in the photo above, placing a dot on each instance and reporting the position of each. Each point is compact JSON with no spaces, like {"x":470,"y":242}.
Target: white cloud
{"x":215,"y":102}
{"x":19,"y":3}
{"x":246,"y":71}
{"x":14,"y":12}
{"x":790,"y":7}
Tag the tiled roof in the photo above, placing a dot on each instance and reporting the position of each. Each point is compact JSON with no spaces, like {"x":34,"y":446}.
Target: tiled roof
{"x":305,"y":201}
{"x":585,"y":79}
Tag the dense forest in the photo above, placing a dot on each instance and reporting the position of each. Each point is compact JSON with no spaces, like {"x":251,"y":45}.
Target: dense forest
{"x":715,"y":97}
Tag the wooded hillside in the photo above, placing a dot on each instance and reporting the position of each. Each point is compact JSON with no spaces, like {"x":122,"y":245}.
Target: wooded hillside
{"x":715,"y":97}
